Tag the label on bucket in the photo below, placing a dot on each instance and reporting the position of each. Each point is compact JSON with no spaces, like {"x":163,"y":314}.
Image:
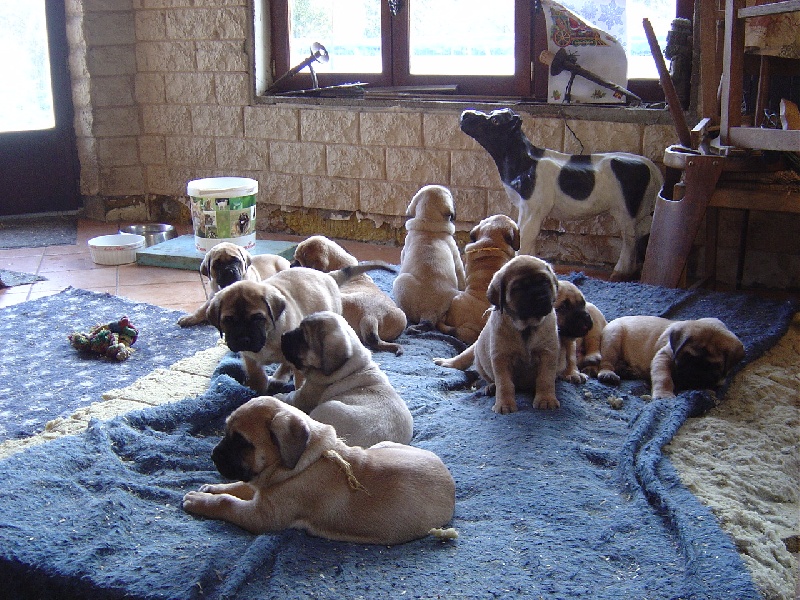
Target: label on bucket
{"x":224,"y":219}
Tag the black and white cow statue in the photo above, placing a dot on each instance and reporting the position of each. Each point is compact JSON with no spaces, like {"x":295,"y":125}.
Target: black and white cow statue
{"x":543,"y":182}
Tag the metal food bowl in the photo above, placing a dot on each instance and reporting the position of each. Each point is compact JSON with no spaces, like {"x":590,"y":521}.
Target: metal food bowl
{"x":154,"y":233}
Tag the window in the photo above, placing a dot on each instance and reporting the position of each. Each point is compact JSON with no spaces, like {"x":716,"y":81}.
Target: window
{"x":466,"y":47}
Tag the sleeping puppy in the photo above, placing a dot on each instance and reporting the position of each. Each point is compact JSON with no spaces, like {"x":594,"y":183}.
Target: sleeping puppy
{"x":431,"y":271}
{"x":493,"y":242}
{"x":342,"y":385}
{"x":574,"y":322}
{"x":227,"y":263}
{"x":673,"y":355}
{"x":518,"y":348}
{"x":292,"y":471}
{"x":252,"y":316}
{"x":369,"y":310}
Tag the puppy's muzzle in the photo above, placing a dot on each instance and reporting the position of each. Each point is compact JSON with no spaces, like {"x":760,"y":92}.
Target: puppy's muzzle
{"x":293,"y":344}
{"x":248,"y":338}
{"x":228,"y":457}
{"x":577,"y":325}
{"x":696,"y":372}
{"x":228,"y":275}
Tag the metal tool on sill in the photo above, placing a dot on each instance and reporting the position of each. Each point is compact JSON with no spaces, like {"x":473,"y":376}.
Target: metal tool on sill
{"x":318,"y":54}
{"x":562,"y":61}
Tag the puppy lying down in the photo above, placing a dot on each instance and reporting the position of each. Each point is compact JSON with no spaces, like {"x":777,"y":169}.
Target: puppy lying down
{"x":673,"y":355}
{"x":342,"y":385}
{"x":291,"y":471}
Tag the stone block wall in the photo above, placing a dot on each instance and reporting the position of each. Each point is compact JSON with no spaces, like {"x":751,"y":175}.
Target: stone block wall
{"x":163,"y":95}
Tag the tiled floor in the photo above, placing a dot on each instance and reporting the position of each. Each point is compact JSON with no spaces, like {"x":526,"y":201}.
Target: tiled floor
{"x":65,"y":266}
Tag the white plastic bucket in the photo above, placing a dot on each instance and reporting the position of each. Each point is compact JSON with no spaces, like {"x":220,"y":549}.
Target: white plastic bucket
{"x":223,"y":210}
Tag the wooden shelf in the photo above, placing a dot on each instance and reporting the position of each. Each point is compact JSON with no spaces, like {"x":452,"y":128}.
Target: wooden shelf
{"x":775,"y":8}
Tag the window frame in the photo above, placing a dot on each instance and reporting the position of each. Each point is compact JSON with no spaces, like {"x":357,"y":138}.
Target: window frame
{"x":528,"y":83}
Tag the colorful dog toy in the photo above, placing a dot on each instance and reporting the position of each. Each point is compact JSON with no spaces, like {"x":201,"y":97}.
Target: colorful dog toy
{"x":113,"y":340}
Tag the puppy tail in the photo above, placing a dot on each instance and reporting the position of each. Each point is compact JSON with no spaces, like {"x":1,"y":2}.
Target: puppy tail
{"x":444,"y":534}
{"x":347,"y":273}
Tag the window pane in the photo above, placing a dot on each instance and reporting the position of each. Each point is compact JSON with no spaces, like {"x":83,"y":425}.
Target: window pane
{"x":26,"y":96}
{"x":623,"y":20}
{"x":461,"y":38}
{"x":350,"y":30}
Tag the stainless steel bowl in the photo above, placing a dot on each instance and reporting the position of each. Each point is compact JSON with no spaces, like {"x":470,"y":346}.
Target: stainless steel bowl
{"x":154,"y":233}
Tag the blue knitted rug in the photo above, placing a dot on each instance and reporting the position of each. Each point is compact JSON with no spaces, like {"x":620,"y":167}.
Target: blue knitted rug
{"x":573,"y":503}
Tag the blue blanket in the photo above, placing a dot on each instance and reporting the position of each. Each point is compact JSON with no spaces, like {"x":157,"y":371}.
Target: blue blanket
{"x":573,"y":503}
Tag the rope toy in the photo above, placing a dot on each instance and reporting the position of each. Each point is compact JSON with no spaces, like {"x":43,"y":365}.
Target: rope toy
{"x":345,"y":466}
{"x":112,"y":340}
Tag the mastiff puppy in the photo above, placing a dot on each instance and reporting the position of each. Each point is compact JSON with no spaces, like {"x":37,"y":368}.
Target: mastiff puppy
{"x":342,"y":385}
{"x":574,"y":322}
{"x":292,"y":471}
{"x":518,"y":348}
{"x":431,"y":270}
{"x":252,"y":316}
{"x":493,"y":242}
{"x":227,"y":263}
{"x":368,"y":309}
{"x":673,"y":355}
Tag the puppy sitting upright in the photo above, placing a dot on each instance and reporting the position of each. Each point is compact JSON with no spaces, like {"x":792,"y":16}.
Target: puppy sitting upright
{"x":518,"y":348}
{"x":431,"y":270}
{"x":369,"y":310}
{"x":292,"y":471}
{"x":342,"y":385}
{"x":674,"y":355}
{"x":578,"y":321}
{"x":493,"y":242}
{"x":227,"y":263}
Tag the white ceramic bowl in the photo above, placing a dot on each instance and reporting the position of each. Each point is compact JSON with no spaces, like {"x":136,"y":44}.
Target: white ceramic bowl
{"x":116,"y":249}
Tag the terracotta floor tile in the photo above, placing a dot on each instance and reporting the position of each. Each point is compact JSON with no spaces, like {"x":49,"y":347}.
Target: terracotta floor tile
{"x":22,"y":264}
{"x":80,"y":261}
{"x":160,"y":294}
{"x":84,"y":279}
{"x":21,"y":252}
{"x":138,"y":275}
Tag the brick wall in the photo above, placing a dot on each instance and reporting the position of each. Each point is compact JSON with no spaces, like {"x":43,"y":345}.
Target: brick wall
{"x":162,"y":92}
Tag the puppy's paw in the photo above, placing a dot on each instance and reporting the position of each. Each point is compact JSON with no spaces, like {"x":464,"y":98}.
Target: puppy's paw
{"x":590,"y":371}
{"x":275,"y":387}
{"x":421,"y":327}
{"x":504,"y":407}
{"x":659,"y":394}
{"x":194,"y":501}
{"x":189,"y":321}
{"x":442,"y":362}
{"x":546,"y":402}
{"x":608,"y":377}
{"x":575,"y":377}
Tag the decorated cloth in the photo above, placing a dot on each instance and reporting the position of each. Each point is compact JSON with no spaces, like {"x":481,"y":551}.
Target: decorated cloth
{"x":595,"y":50}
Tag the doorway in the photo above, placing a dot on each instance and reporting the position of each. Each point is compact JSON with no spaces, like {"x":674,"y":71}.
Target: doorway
{"x":39,"y":169}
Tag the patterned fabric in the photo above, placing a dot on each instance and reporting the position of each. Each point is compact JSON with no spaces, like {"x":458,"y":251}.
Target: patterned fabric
{"x":43,"y":377}
{"x":595,"y":50}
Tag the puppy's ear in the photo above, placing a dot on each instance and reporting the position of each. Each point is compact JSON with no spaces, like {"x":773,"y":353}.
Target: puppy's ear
{"x":496,"y":292}
{"x":412,"y":207}
{"x":336,"y":350}
{"x":512,"y":238}
{"x":205,"y":266}
{"x":247,"y":258}
{"x":290,"y":433}
{"x":678,"y":338}
{"x":276,"y":304}
{"x":732,"y":357}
